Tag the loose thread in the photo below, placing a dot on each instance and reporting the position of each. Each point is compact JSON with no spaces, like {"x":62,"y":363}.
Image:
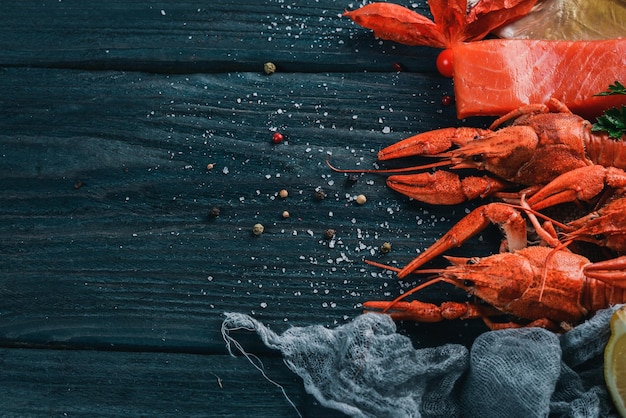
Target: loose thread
{"x":251,"y":357}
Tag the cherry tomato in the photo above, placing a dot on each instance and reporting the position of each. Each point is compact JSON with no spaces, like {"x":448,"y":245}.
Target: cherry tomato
{"x":444,"y":63}
{"x":277,"y":138}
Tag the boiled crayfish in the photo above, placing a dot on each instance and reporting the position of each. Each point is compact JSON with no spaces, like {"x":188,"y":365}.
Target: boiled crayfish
{"x":540,"y":143}
{"x":605,"y":226}
{"x":539,"y":286}
{"x":559,"y":159}
{"x":537,"y":156}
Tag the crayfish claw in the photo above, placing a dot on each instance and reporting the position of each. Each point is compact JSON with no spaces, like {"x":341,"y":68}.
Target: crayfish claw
{"x":405,"y":311}
{"x":431,"y":143}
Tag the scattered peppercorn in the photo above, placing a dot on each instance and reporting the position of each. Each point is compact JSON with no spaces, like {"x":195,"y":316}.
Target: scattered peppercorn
{"x":398,"y":67}
{"x":78,"y":184}
{"x":385,"y":248}
{"x":214,"y":212}
{"x":361,"y":199}
{"x":320,"y":194}
{"x":353,"y":178}
{"x":277,"y":138}
{"x":285,"y":214}
{"x":210,"y":166}
{"x":329,"y":234}
{"x":258,"y":229}
{"x":283,"y":193}
{"x":447,"y":100}
{"x":269,"y":68}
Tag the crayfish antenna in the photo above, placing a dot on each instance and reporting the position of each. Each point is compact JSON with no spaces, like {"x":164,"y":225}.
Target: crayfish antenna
{"x":382,"y":266}
{"x":544,"y":275}
{"x":415,"y":289}
{"x":389,"y":305}
{"x":530,"y":211}
{"x":397,"y":269}
{"x":390,"y":170}
{"x":545,"y":232}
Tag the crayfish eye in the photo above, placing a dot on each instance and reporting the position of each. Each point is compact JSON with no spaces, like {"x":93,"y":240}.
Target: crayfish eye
{"x":472,"y":260}
{"x":468,"y":283}
{"x":477,"y":158}
{"x":599,"y":237}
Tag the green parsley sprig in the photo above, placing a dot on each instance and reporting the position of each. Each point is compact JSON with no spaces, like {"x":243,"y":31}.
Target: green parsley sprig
{"x":612,"y":121}
{"x":617,"y":88}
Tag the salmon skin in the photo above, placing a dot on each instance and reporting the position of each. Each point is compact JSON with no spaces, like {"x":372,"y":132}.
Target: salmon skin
{"x":493,"y":77}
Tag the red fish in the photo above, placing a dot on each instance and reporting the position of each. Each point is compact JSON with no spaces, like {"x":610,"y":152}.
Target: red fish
{"x":495,"y":77}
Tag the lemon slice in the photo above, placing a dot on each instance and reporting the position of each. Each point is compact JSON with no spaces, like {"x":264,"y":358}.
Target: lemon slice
{"x":615,"y":360}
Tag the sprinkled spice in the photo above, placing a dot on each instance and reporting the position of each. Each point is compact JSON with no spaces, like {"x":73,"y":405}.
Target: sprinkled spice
{"x":320,"y":194}
{"x":283,"y":193}
{"x":214,"y":212}
{"x":353,"y":178}
{"x":210,"y":166}
{"x":78,"y":184}
{"x":269,"y":68}
{"x":285,"y":214}
{"x":385,"y":248}
{"x":447,"y":100}
{"x":277,"y":138}
{"x":258,"y":229}
{"x":361,"y":199}
{"x":329,"y":234}
{"x":398,"y":67}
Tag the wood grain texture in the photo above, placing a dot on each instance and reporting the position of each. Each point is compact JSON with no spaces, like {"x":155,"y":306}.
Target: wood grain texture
{"x":113,"y":384}
{"x":190,"y":36}
{"x":109,"y":259}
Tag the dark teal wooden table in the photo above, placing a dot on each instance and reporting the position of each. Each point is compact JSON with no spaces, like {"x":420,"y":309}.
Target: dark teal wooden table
{"x":113,"y":275}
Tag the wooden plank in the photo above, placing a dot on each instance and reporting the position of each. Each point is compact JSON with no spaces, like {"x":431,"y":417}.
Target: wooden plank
{"x":190,"y":36}
{"x":113,"y":278}
{"x":131,"y":259}
{"x":101,"y":383}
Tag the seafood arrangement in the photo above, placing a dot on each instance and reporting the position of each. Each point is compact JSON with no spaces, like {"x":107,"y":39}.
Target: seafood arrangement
{"x":542,"y":159}
{"x":496,"y":76}
{"x":540,"y":153}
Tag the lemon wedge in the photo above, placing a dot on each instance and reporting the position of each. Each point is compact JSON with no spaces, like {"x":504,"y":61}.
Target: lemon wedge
{"x":615,"y":360}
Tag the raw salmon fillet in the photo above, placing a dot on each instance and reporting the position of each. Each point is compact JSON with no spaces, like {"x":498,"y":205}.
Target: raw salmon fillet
{"x":496,"y":76}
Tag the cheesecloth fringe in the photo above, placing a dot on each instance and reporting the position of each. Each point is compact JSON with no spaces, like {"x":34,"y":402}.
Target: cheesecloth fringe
{"x":366,"y":369}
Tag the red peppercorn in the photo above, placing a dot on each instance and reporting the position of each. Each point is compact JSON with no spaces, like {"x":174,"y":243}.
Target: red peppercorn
{"x":277,"y":138}
{"x":398,"y":67}
{"x":446,"y":100}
